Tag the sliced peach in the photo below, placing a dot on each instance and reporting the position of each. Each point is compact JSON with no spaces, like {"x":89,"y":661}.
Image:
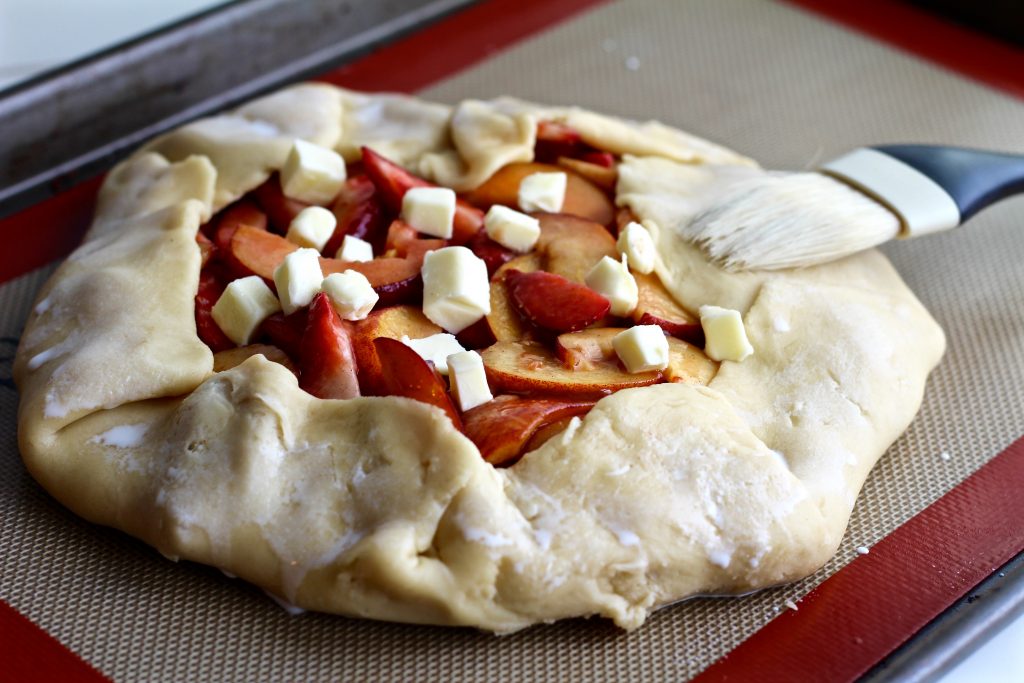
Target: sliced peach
{"x":556,"y":139}
{"x":546,"y":433}
{"x":501,"y":428}
{"x":403,"y":240}
{"x":206,"y":248}
{"x":285,"y":331}
{"x":530,"y":368}
{"x":225,"y":360}
{"x":393,"y":181}
{"x":396,"y":280}
{"x":687,"y":364}
{"x":492,"y":253}
{"x":211,"y":286}
{"x":394,"y":323}
{"x":503,"y":320}
{"x":405,"y":373}
{"x":242,"y":212}
{"x":601,"y":175}
{"x":554,"y":302}
{"x":279,"y":208}
{"x":572,"y":246}
{"x":587,"y":349}
{"x":359,"y":213}
{"x":657,"y":307}
{"x":326,"y":360}
{"x":582,"y":198}
{"x":624,"y":217}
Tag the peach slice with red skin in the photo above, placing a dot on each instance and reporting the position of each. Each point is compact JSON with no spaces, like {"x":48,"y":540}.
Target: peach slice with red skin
{"x":554,"y":302}
{"x":211,"y":286}
{"x":285,"y":331}
{"x":530,"y":368}
{"x":396,"y":280}
{"x":546,"y":433}
{"x":603,"y":174}
{"x":393,"y":322}
{"x":240,"y":213}
{"x":359,"y":214}
{"x":405,"y":373}
{"x":655,"y":306}
{"x":405,"y":242}
{"x":327,"y":362}
{"x":502,"y":428}
{"x":281,"y":210}
{"x":392,"y":182}
{"x":503,"y":322}
{"x":555,"y":139}
{"x":588,"y":349}
{"x":582,"y":198}
{"x":230,"y":358}
{"x":571,"y":246}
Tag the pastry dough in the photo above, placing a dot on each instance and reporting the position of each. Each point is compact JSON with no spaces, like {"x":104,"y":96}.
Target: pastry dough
{"x":378,"y":507}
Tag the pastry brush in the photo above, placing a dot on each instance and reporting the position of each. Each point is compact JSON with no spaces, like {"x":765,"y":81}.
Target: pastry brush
{"x":857,"y":201}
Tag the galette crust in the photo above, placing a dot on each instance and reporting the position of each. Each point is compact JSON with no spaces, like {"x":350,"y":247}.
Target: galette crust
{"x":378,"y":507}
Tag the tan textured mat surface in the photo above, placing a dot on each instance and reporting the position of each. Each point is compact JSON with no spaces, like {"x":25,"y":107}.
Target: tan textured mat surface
{"x":767,"y":79}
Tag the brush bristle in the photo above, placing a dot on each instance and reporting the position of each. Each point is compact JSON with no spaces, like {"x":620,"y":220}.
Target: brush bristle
{"x":790,"y":221}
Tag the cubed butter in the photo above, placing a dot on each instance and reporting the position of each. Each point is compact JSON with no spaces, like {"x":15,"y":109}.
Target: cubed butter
{"x":298,"y":279}
{"x":244,"y":304}
{"x":636,"y":244}
{"x":456,"y":289}
{"x":430,"y":210}
{"x":612,"y":280}
{"x":350,"y":294}
{"x":312,"y":174}
{"x":312,"y":227}
{"x":542,"y":192}
{"x":355,"y":249}
{"x":511,"y":228}
{"x":724,"y":334}
{"x":436,"y":348}
{"x":468,"y":379}
{"x":642,"y":348}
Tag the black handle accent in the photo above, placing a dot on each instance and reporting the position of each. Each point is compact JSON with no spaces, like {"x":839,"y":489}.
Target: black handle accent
{"x":973,"y":178}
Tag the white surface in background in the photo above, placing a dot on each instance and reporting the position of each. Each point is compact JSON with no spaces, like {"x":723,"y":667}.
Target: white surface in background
{"x":1000,"y":660}
{"x":38,"y":35}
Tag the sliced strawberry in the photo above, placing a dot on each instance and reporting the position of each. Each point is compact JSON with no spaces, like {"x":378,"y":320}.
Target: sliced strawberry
{"x":286,"y":331}
{"x":327,"y":365}
{"x":392,"y":182}
{"x":492,"y":253}
{"x":279,"y":208}
{"x":554,"y":302}
{"x":502,"y":428}
{"x":605,"y":159}
{"x":405,"y":373}
{"x":359,"y":214}
{"x":556,"y":140}
{"x":211,"y":286}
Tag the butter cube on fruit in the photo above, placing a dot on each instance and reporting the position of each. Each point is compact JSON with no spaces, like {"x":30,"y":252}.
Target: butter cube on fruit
{"x":612,"y":280}
{"x":298,"y":279}
{"x":244,"y":304}
{"x":512,"y":229}
{"x":726,"y":338}
{"x":355,"y":249}
{"x":468,"y":380}
{"x":436,"y":348}
{"x":430,"y":210}
{"x":636,"y":244}
{"x":312,"y":227}
{"x":542,"y":192}
{"x":312,"y":174}
{"x":642,"y":348}
{"x":456,"y":289}
{"x":351,"y":294}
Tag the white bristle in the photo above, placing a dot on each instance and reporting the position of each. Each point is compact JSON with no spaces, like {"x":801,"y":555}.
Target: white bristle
{"x":789,"y":221}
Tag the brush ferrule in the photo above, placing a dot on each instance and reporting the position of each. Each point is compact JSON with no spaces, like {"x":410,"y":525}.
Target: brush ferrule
{"x":920,"y":203}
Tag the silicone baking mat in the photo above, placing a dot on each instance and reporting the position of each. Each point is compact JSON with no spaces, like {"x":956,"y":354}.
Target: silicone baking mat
{"x":771,"y":80}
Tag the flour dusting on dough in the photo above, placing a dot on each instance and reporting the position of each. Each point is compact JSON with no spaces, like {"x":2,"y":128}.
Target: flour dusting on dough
{"x":123,"y":436}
